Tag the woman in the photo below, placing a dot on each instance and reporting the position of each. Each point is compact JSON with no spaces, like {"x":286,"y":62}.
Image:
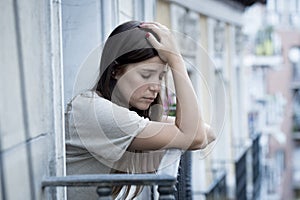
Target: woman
{"x":118,"y":126}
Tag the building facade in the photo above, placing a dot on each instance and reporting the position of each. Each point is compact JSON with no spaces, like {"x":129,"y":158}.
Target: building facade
{"x":50,"y":52}
{"x":212,"y":43}
{"x":31,"y":133}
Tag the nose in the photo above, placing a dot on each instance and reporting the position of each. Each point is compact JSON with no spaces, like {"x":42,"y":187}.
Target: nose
{"x":155,"y":87}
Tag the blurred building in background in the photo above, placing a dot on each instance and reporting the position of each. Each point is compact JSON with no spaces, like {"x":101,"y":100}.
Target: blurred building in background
{"x":212,"y":42}
{"x":272,"y":60}
{"x":243,"y":57}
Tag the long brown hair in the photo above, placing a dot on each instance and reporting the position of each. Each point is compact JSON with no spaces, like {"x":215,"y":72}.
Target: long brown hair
{"x":126,"y":44}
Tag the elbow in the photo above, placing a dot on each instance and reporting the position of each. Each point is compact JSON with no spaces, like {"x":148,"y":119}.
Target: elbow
{"x":199,"y":141}
{"x":203,"y":138}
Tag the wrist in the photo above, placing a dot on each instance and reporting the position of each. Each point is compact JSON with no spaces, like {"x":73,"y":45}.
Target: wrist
{"x":175,"y":61}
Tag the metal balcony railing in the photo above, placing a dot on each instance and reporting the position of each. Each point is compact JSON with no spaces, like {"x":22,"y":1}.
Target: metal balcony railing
{"x":256,"y":167}
{"x":165,"y":179}
{"x":105,"y":182}
{"x":217,"y":189}
{"x":241,"y":176}
{"x":184,"y":185}
{"x":241,"y":171}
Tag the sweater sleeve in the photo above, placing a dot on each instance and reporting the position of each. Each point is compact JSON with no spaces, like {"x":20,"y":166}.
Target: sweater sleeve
{"x":104,"y":128}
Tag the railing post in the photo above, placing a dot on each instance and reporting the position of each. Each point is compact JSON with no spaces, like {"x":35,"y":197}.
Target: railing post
{"x":166,"y":192}
{"x":104,"y":192}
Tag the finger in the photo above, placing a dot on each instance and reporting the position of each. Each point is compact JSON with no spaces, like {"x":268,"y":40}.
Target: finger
{"x":154,"y":26}
{"x":153,"y":41}
{"x":154,"y":29}
{"x":150,"y":23}
{"x":151,"y":26}
{"x":159,"y":25}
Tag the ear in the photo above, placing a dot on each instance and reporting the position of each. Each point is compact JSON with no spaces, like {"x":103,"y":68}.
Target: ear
{"x":117,"y":73}
{"x":117,"y":77}
{"x":113,"y":74}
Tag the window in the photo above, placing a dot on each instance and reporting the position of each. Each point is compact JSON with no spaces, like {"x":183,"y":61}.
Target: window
{"x":296,"y":113}
{"x":126,"y":10}
{"x":81,"y":34}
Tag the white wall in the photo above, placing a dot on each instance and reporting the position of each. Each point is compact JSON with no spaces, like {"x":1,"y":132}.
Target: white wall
{"x":30,"y":104}
{"x":36,"y":40}
{"x":86,"y":25}
{"x":81,"y":31}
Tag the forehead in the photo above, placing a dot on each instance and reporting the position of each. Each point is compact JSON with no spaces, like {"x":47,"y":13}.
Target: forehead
{"x":154,"y":63}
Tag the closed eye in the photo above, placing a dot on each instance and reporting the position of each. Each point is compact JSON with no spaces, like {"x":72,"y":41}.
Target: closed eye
{"x":146,"y":76}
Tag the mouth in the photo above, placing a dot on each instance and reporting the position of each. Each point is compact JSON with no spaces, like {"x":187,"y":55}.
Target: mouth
{"x":149,"y":99}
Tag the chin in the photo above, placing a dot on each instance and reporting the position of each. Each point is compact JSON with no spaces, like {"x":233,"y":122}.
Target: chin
{"x":143,"y":106}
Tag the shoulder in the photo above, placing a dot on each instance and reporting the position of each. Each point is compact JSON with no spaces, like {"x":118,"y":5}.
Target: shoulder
{"x":89,"y":99}
{"x":87,"y":104}
{"x":88,"y":95}
{"x":90,"y":103}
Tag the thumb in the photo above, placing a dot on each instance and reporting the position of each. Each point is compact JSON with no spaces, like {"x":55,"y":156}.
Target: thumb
{"x":153,"y":41}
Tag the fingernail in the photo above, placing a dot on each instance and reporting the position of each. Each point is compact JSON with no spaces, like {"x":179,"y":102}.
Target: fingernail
{"x":147,"y":35}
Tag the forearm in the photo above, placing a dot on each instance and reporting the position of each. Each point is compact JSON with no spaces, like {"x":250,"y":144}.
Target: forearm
{"x":188,"y":115}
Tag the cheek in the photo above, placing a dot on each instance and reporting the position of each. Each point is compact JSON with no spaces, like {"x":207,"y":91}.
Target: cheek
{"x":140,"y":90}
{"x":132,"y":86}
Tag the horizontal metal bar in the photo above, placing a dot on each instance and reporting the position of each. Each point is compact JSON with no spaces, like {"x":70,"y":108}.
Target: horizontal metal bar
{"x":109,"y":180}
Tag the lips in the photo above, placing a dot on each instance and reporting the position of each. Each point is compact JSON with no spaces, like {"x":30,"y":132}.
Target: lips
{"x":150,"y":99}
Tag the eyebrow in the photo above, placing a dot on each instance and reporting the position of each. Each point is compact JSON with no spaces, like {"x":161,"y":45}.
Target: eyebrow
{"x":153,"y":70}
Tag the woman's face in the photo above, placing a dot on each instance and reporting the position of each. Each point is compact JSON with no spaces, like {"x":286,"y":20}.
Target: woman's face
{"x":139,"y":85}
